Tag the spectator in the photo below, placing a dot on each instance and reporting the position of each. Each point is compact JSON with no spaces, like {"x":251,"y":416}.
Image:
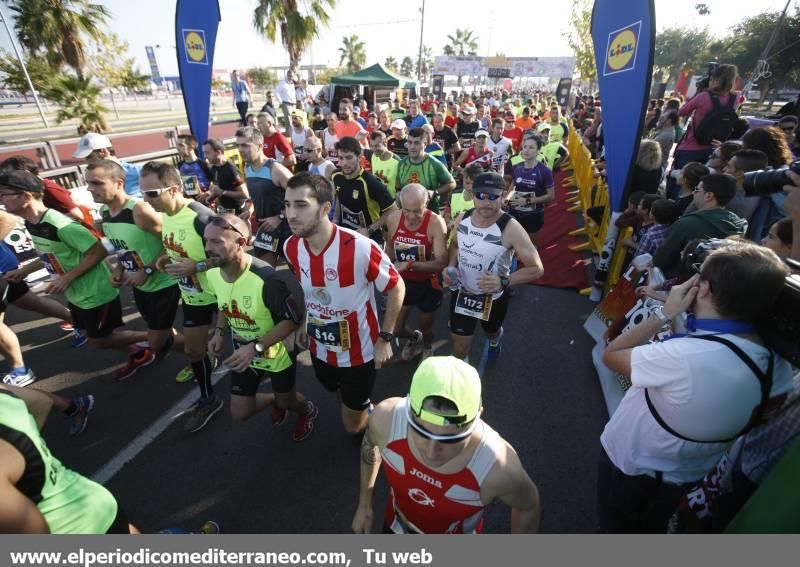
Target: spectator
{"x":665,"y":135}
{"x":647,"y":172}
{"x":301,"y":97}
{"x":721,"y":155}
{"x":690,"y":149}
{"x":788,"y":125}
{"x":692,"y":395}
{"x":772,"y":142}
{"x":268,"y":106}
{"x":663,"y":213}
{"x":780,"y":238}
{"x":644,"y":221}
{"x":241,"y":96}
{"x":287,"y":97}
{"x":688,"y":180}
{"x":710,"y":220}
{"x":630,"y":216}
{"x":94,"y":147}
{"x":318,"y":123}
{"x":743,"y":162}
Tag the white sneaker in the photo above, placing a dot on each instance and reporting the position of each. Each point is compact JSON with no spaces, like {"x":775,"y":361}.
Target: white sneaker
{"x":19,"y":380}
{"x":413,"y":346}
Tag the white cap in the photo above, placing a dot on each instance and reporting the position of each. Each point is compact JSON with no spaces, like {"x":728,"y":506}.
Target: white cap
{"x":481,"y":132}
{"x":90,"y":142}
{"x":400,"y":124}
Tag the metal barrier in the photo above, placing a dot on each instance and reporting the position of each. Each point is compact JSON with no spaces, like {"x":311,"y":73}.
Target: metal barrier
{"x":45,"y":153}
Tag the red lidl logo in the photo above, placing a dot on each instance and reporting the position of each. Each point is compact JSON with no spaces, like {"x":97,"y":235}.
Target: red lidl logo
{"x":621,"y":49}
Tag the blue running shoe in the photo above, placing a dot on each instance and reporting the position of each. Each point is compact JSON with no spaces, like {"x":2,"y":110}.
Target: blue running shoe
{"x":494,"y":347}
{"x":78,"y":338}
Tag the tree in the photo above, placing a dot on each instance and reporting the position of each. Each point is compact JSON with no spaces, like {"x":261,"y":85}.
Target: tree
{"x":324,"y":77}
{"x":262,"y":77}
{"x":78,"y":98}
{"x":427,"y":64}
{"x":108,"y":63}
{"x":679,"y":47}
{"x":391,"y":64}
{"x":703,"y":9}
{"x":464,"y":42}
{"x":352,"y":54}
{"x":40,"y":71}
{"x":579,"y":38}
{"x":407,"y":66}
{"x":297,"y":29}
{"x":55,"y":29}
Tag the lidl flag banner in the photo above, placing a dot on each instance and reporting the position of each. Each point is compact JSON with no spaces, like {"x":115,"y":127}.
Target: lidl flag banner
{"x":196,"y":23}
{"x":623,"y":33}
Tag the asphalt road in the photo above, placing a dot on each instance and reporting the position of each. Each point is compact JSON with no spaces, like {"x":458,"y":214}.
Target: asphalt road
{"x":542,"y":395}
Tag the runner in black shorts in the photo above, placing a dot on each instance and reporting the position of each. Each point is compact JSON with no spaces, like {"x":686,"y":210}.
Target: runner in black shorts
{"x":354,"y":383}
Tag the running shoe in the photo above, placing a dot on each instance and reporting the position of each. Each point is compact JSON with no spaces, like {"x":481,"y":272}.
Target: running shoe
{"x":202,"y":414}
{"x":278,"y":415}
{"x":67,"y":327}
{"x":137,"y":360}
{"x":413,"y":346}
{"x":185,"y":374}
{"x":78,"y":338}
{"x":76,"y":423}
{"x":305,"y":423}
{"x":494,"y":347}
{"x":19,"y":377}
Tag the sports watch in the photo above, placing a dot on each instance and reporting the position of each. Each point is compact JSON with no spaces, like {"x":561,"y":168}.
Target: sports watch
{"x":149,"y":270}
{"x":201,"y":266}
{"x":259,"y":347}
{"x":504,"y":282}
{"x":386,"y":336}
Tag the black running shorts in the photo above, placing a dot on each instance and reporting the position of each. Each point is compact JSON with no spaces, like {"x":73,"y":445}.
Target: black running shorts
{"x":355,"y":383}
{"x":464,"y":325}
{"x":97,"y":322}
{"x":246,"y":383}
{"x":158,"y":308}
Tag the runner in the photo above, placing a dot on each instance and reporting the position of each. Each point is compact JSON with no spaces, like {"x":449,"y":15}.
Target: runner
{"x":266,"y":179}
{"x":276,"y":146}
{"x":317,"y":162}
{"x":330,"y":138}
{"x":191,"y":166}
{"x":501,"y":147}
{"x":347,"y":127}
{"x":396,"y":143}
{"x":478,"y":153}
{"x":486,"y":241}
{"x":300,"y":133}
{"x":511,"y":131}
{"x":339,"y":271}
{"x":531,"y":188}
{"x":443,"y":463}
{"x":419,"y":167}
{"x":553,"y":153}
{"x":227,"y":185}
{"x":414,"y":119}
{"x":38,"y":495}
{"x":418,"y":249}
{"x":93,"y":147}
{"x":260,"y":307}
{"x":183,"y":224}
{"x":134,"y":230}
{"x":466,"y":127}
{"x":432,"y":148}
{"x":74,"y":257}
{"x":364,"y":202}
{"x":446,"y":138}
{"x":384,"y":163}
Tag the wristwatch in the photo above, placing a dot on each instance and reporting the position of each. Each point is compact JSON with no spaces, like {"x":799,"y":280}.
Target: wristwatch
{"x":149,"y":270}
{"x":259,"y":347}
{"x":504,"y":282}
{"x":201,"y":266}
{"x":386,"y":336}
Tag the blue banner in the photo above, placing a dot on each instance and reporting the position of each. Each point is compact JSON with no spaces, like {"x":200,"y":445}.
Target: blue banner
{"x":196,"y":23}
{"x":623,"y":33}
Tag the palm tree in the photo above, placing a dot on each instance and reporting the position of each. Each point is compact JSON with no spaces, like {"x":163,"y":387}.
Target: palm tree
{"x":463,"y":43}
{"x":391,"y":64}
{"x":78,"y":98}
{"x":427,"y":64}
{"x":352,"y":52}
{"x":407,"y":66}
{"x":55,"y":28}
{"x":297,"y":29}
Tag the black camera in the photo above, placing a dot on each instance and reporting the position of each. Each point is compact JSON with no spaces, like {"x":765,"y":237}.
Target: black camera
{"x":766,"y":181}
{"x":702,"y":84}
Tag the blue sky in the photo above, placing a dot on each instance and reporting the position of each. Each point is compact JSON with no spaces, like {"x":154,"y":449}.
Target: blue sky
{"x":387,"y":30}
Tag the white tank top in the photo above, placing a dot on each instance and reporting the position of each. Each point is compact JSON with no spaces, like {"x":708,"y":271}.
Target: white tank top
{"x":481,"y":250}
{"x":320,"y":169}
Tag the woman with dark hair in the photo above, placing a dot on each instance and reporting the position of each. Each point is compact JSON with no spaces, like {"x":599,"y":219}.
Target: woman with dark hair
{"x":720,"y":86}
{"x":721,"y":155}
{"x":772,"y":142}
{"x":780,"y":237}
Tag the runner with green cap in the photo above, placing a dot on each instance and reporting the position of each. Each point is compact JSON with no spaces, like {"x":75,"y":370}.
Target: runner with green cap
{"x":443,"y":463}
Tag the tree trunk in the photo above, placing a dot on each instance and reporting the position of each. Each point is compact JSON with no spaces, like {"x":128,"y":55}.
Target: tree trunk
{"x":765,"y":88}
{"x":460,"y":78}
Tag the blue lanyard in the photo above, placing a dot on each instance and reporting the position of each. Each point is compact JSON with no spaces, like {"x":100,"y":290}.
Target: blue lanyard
{"x":716,"y":326}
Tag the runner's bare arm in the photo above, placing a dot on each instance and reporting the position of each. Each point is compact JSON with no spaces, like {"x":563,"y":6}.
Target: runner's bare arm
{"x":280,"y":175}
{"x":391,"y":227}
{"x":382,"y":220}
{"x":546,"y":198}
{"x":146,"y":218}
{"x":18,"y":514}
{"x":7,"y":223}
{"x":509,"y":482}
{"x":91,"y":258}
{"x":516,"y":237}
{"x":374,"y":439}
{"x":240,"y":193}
{"x":38,"y":402}
{"x":437,"y":232}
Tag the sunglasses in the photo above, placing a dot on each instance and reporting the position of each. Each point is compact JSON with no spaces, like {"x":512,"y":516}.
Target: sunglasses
{"x":482,"y":196}
{"x":222,"y":223}
{"x":153,"y":193}
{"x":444,"y":439}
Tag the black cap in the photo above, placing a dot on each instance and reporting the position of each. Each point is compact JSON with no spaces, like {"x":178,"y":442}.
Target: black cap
{"x":489,"y":183}
{"x":22,"y":180}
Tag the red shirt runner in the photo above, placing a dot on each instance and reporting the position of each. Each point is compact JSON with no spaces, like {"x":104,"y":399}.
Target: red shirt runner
{"x":413,"y":245}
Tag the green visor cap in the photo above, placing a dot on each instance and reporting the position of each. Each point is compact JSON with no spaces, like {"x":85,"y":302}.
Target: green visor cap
{"x":452,"y":379}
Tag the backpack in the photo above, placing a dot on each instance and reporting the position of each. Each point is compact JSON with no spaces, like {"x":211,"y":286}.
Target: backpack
{"x":719,"y":123}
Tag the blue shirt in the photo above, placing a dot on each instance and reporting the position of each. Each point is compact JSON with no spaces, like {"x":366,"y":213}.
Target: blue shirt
{"x":131,"y":179}
{"x":8,"y":260}
{"x":240,"y":91}
{"x":417,"y":122}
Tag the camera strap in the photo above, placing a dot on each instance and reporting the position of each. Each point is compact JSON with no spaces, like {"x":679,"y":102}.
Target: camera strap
{"x":764,"y":380}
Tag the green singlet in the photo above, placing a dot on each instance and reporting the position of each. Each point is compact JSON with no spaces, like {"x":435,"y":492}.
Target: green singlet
{"x":430,"y":173}
{"x":69,"y":502}
{"x":386,"y":171}
{"x":182,"y":237}
{"x":253,"y":304}
{"x":142,"y":247}
{"x":61,"y":243}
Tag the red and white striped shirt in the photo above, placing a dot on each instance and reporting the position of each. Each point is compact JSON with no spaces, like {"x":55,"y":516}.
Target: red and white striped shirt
{"x":342,"y":319}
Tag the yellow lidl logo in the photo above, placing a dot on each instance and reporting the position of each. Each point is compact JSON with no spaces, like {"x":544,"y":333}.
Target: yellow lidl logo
{"x":195,"y":43}
{"x":621,"y":50}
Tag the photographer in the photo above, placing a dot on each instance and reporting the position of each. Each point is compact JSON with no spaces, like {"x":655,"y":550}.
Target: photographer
{"x":720,"y":94}
{"x":691,"y":395}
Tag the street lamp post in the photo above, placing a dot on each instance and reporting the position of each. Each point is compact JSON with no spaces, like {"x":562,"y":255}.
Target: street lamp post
{"x":24,"y":68}
{"x":421,"y":30}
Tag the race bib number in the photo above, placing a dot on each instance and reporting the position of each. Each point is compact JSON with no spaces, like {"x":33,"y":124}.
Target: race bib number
{"x":266,"y":241}
{"x":353,"y":220}
{"x":223,"y":210}
{"x":131,"y":261}
{"x":52,"y":265}
{"x":333,"y":335}
{"x":191,"y":185}
{"x":478,"y":306}
{"x":190,"y":284}
{"x":409,"y":252}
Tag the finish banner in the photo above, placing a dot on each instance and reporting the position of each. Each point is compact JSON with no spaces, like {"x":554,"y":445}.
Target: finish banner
{"x":196,"y":23}
{"x":623,"y":33}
